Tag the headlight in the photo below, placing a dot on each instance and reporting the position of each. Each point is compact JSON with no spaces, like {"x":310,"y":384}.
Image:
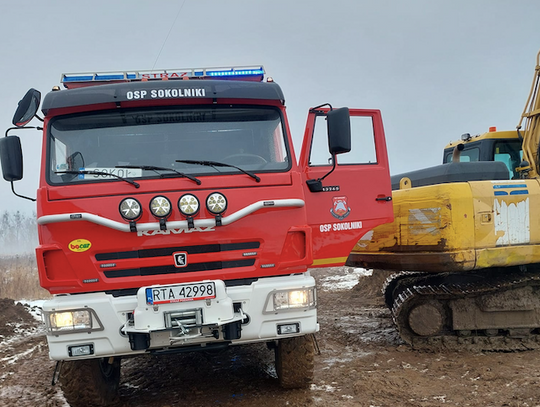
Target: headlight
{"x":160,"y":207}
{"x":130,"y":209}
{"x":216,"y":203}
{"x":304,"y":298}
{"x":188,"y":205}
{"x":73,"y":320}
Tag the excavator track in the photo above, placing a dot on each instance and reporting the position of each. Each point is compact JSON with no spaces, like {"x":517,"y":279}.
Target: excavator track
{"x":391,"y":283}
{"x":494,"y":309}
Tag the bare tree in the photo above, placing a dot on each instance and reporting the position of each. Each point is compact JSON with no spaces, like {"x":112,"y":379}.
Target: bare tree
{"x":18,"y":233}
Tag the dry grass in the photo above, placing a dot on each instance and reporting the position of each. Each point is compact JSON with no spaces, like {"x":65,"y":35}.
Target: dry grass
{"x":19,"y":278}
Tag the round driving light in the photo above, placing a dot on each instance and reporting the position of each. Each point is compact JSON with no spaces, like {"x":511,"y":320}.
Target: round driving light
{"x":216,"y":203}
{"x":160,"y":207}
{"x":188,"y":205}
{"x":130,"y":209}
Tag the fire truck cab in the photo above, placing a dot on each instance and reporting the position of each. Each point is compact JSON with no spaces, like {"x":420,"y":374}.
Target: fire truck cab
{"x":173,"y":216}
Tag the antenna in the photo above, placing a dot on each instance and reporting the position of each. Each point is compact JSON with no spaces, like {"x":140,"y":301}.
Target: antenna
{"x":169,"y":33}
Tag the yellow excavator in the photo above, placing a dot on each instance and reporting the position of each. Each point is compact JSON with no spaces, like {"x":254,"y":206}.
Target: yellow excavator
{"x":466,"y":243}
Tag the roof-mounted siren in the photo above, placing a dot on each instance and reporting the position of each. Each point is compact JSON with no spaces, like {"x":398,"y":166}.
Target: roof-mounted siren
{"x":241,"y":73}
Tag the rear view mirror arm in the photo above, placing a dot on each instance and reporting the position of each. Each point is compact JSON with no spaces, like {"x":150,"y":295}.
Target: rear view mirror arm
{"x":20,"y":196}
{"x":22,"y":128}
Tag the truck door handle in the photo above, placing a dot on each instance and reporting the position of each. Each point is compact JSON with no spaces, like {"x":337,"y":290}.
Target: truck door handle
{"x":384,"y":198}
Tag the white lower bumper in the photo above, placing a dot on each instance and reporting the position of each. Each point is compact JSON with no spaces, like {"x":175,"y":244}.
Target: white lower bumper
{"x":118,"y":318}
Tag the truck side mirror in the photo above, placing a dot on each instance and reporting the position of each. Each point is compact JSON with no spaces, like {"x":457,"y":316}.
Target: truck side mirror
{"x":339,"y":131}
{"x":339,"y":141}
{"x":28,"y":107}
{"x":11,"y":158}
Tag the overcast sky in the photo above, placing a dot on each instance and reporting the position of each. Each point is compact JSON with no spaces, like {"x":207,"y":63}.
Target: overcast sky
{"x":435,"y":68}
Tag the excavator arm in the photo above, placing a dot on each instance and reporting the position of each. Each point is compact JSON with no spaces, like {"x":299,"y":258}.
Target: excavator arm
{"x":531,"y":132}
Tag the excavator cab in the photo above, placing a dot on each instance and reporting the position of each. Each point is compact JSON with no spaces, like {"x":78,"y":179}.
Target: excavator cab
{"x":502,"y":146}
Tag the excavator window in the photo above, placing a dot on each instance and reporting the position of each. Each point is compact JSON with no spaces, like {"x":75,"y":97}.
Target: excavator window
{"x":467,"y":155}
{"x":507,"y":151}
{"x":511,"y":154}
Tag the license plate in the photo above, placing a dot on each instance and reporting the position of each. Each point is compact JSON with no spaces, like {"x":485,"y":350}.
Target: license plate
{"x":180,"y":293}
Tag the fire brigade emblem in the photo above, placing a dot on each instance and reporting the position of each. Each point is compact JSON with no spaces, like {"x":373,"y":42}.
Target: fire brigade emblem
{"x":340,"y":209}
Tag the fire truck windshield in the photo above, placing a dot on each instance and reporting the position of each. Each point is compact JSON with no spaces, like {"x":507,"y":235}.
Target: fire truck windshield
{"x":133,"y":143}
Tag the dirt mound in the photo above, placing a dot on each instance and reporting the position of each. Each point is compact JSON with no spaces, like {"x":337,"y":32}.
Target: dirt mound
{"x":369,"y":287}
{"x":13,"y":317}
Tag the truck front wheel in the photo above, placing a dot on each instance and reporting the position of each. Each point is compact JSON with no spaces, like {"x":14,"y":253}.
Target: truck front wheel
{"x":91,"y":382}
{"x":294,"y":361}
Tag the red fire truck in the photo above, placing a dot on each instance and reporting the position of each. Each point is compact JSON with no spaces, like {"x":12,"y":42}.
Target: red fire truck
{"x":174,"y":216}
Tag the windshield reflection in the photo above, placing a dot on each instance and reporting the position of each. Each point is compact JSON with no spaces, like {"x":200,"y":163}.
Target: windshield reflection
{"x":133,"y":144}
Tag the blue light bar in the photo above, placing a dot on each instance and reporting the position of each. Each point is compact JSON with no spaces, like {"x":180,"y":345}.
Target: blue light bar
{"x":119,"y":77}
{"x":84,"y":78}
{"x":251,"y":73}
{"x":98,"y":77}
{"x":244,"y":72}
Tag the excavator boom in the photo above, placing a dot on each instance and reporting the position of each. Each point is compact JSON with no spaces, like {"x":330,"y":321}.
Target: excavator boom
{"x":531,"y":132}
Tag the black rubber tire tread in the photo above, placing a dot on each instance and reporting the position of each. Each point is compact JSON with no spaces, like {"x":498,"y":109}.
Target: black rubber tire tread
{"x":85,"y":384}
{"x":295,"y":361}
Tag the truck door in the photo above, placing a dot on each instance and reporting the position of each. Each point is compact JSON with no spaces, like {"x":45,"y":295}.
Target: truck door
{"x":356,"y":196}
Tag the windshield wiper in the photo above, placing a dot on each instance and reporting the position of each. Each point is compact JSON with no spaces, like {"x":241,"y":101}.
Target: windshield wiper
{"x":135,"y":184}
{"x":156,"y":169}
{"x":218,"y":164}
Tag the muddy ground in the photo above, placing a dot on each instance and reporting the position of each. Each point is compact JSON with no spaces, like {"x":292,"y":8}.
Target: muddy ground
{"x":362,"y":362}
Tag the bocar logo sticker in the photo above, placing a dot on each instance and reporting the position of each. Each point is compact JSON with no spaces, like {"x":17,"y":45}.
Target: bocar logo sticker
{"x":79,"y":245}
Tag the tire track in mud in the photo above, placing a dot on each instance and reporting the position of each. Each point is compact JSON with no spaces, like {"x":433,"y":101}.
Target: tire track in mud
{"x":26,"y":371}
{"x":362,"y":362}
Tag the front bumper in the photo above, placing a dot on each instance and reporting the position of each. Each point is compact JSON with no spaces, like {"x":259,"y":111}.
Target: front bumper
{"x":129,"y":325}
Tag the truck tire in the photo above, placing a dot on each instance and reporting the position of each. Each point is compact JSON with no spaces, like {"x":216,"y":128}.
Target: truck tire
{"x":92,"y":382}
{"x":294,"y":361}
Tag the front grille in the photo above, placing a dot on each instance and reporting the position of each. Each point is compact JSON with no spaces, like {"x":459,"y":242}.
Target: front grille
{"x":168,"y":251}
{"x":152,"y":271}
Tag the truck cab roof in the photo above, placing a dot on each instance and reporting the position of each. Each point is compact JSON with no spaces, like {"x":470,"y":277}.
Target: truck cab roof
{"x":160,"y":90}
